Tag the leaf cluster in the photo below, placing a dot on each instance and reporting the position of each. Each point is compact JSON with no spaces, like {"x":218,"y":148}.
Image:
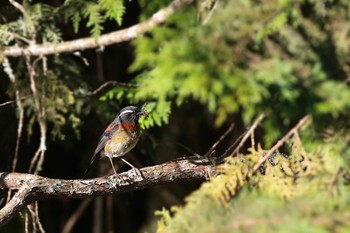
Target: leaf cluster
{"x":39,"y":23}
{"x":95,"y":12}
{"x":58,"y":80}
{"x":56,"y":87}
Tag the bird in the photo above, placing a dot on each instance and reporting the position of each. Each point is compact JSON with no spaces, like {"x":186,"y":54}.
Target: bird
{"x":120,"y":136}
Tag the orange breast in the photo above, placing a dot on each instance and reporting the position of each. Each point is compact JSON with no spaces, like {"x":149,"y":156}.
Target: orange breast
{"x":122,"y":141}
{"x":125,"y":133}
{"x":127,"y":126}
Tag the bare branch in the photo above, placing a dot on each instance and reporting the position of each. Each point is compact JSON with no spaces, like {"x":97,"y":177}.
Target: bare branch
{"x":9,"y":71}
{"x":19,"y":129}
{"x":76,"y":215}
{"x":33,"y":187}
{"x":334,"y":181}
{"x":17,"y":6}
{"x":248,"y":133}
{"x":14,"y":101}
{"x":104,"y":40}
{"x":280,"y":142}
{"x":16,"y":204}
{"x":39,"y":154}
{"x":242,"y":139}
{"x":212,"y":148}
{"x":112,"y":84}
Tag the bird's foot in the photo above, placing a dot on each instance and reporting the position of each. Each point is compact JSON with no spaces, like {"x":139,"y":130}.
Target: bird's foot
{"x":135,"y":174}
{"x":116,"y":180}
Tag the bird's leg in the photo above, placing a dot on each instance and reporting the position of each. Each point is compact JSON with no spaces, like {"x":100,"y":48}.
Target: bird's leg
{"x":110,"y":159}
{"x":120,"y":178}
{"x":135,"y":169}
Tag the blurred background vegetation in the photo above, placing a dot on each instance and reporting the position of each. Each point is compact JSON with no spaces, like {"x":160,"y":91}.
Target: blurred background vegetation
{"x":213,"y":63}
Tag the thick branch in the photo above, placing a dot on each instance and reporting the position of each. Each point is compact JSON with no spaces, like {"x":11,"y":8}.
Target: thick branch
{"x":104,"y":40}
{"x":33,"y":187}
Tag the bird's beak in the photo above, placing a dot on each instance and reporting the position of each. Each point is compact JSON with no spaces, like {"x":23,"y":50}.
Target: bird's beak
{"x":143,"y":112}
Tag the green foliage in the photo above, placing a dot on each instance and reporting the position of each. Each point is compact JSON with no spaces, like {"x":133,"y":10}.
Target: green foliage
{"x":73,"y":11}
{"x":301,"y":192}
{"x":158,"y":111}
{"x":284,"y":58}
{"x":57,"y":96}
{"x":58,"y":80}
{"x":40,"y":20}
{"x":95,"y":19}
{"x":96,"y":12}
{"x":114,"y":9}
{"x":251,"y":57}
{"x":158,"y":114}
{"x":37,"y":24}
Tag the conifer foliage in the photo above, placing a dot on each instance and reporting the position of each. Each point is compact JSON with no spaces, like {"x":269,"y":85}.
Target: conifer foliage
{"x":285,"y":60}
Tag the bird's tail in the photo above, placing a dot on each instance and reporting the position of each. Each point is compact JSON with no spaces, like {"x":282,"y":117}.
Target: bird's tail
{"x":91,"y":162}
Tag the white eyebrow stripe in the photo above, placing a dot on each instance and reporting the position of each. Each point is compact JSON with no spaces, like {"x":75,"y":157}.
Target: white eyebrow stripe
{"x":125,"y":111}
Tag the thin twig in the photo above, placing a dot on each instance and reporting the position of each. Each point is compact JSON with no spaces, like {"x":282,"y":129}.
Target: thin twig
{"x":34,"y":160}
{"x":39,"y":155}
{"x":19,"y":129}
{"x":38,"y":222}
{"x":112,"y":84}
{"x":207,"y":8}
{"x":19,"y":136}
{"x":26,"y":222}
{"x":76,"y":215}
{"x":171,"y":141}
{"x":249,"y":132}
{"x":14,"y":101}
{"x":9,"y":71}
{"x":16,"y":36}
{"x":334,"y":181}
{"x":212,"y":148}
{"x":242,"y":139}
{"x":33,"y":216}
{"x":280,"y":142}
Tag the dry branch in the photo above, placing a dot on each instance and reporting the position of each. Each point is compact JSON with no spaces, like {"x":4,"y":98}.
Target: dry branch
{"x":112,"y":84}
{"x":104,"y":40}
{"x":280,"y":142}
{"x":33,"y":187}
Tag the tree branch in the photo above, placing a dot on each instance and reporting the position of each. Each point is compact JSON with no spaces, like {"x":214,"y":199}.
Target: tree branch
{"x":17,"y":6}
{"x":112,"y":84}
{"x":104,"y":40}
{"x":14,"y":101}
{"x":34,"y":187}
{"x":248,"y":133}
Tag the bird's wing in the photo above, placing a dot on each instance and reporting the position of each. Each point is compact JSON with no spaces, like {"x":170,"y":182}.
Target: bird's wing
{"x":107,"y":134}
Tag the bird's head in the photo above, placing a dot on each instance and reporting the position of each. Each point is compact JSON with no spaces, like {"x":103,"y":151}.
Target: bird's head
{"x":130,"y":114}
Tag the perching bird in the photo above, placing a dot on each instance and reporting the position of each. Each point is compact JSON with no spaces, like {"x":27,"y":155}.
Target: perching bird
{"x":120,"y":136}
